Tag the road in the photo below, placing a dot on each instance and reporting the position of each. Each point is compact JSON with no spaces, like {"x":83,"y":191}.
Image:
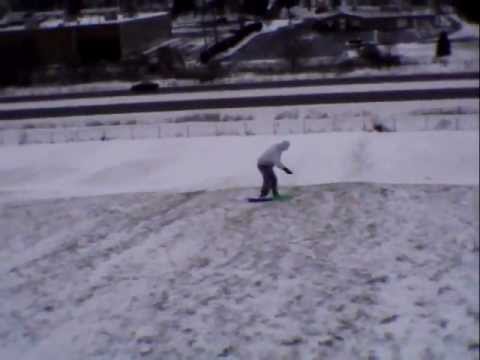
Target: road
{"x":167,"y":103}
{"x":249,"y":85}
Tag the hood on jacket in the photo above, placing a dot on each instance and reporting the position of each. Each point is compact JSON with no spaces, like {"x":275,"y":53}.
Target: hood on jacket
{"x":284,"y":145}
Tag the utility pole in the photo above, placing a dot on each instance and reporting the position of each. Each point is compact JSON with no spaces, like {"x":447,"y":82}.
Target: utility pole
{"x":203,"y":24}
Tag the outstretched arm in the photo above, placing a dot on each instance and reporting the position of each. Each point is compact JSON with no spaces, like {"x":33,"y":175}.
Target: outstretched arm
{"x":280,"y":165}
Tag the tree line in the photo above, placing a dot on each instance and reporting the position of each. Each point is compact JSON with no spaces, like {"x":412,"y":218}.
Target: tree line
{"x":260,"y":8}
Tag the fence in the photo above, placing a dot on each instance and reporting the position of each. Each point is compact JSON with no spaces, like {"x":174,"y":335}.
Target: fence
{"x":235,"y":128}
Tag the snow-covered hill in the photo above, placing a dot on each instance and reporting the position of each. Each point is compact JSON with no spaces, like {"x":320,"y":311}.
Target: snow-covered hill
{"x":342,"y":271}
{"x":216,"y":163}
{"x":357,"y":265}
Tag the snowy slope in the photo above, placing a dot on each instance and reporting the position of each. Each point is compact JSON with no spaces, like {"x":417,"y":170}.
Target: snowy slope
{"x":210,"y":163}
{"x":146,"y":249}
{"x":343,"y":271}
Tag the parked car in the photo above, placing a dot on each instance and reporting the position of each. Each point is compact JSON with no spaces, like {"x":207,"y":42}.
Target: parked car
{"x":145,"y":86}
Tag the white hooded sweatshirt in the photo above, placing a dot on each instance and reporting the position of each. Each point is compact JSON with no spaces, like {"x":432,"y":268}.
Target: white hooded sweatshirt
{"x":272,"y":157}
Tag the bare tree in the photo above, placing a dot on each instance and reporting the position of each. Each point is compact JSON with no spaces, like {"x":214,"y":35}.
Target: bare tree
{"x":4,"y":8}
{"x":73,"y":8}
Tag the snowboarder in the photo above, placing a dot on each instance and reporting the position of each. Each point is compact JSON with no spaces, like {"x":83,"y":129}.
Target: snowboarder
{"x":270,"y":158}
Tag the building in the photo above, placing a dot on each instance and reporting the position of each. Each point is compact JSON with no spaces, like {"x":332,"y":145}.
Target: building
{"x":368,"y":21}
{"x":47,"y":38}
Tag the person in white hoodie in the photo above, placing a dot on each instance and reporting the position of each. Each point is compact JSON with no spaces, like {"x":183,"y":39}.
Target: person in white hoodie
{"x":266,"y":162}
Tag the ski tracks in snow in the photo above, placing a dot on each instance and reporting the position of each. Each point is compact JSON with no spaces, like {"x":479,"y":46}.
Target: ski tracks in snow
{"x":341,"y":271}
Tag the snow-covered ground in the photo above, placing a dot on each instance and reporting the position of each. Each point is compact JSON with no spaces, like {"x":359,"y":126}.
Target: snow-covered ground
{"x":214,"y":163}
{"x":147,"y":249}
{"x":467,"y":31}
{"x":461,"y":114}
{"x":343,"y":271}
{"x":357,"y":265}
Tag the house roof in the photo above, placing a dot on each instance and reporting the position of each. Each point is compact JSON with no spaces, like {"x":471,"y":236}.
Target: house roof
{"x":53,"y":20}
{"x":369,"y":14}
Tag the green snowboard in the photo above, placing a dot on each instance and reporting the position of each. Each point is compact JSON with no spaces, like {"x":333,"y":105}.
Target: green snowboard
{"x":283,"y":197}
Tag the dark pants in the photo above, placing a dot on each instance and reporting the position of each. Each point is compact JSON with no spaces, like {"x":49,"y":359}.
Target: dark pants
{"x":269,"y":180}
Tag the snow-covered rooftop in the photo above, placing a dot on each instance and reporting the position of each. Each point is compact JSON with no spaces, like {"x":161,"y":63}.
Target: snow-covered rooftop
{"x":369,"y":13}
{"x":56,"y":19}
